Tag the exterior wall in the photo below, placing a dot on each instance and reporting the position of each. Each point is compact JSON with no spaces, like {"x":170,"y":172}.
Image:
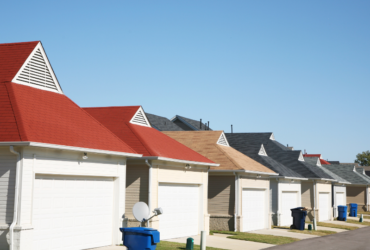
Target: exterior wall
{"x":252,"y":182}
{"x":37,"y":160}
{"x":175,"y":173}
{"x":308,"y":199}
{"x":324,"y":188}
{"x":337,"y":189}
{"x":221,"y":201}
{"x":357,"y":194}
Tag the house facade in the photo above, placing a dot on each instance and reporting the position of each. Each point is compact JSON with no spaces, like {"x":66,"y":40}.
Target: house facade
{"x":60,"y":168}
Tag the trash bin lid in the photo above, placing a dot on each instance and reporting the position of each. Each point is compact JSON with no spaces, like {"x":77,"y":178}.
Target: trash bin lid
{"x":297,"y":208}
{"x":353,"y":204}
{"x":144,"y":231}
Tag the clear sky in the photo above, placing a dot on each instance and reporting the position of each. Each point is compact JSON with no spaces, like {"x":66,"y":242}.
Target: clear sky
{"x":300,"y":69}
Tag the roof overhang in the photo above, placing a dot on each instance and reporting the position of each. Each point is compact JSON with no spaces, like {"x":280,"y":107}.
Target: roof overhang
{"x":323,"y":179}
{"x":179,"y":161}
{"x":71,"y":148}
{"x":241,"y":171}
{"x":290,"y":178}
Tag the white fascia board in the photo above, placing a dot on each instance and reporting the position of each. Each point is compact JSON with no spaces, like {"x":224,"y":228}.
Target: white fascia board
{"x":71,"y":148}
{"x":324,"y":179}
{"x":39,"y":46}
{"x":242,"y":171}
{"x":288,"y":178}
{"x":180,"y":161}
{"x":144,"y":115}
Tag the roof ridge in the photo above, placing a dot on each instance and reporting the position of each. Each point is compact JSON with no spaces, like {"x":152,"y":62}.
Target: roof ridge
{"x":141,"y":140}
{"x":104,"y":127}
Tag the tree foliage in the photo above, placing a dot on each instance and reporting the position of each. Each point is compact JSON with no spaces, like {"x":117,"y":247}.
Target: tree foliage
{"x":363,"y":159}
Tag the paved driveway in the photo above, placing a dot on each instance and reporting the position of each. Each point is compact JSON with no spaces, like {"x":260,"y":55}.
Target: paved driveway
{"x":351,"y":240}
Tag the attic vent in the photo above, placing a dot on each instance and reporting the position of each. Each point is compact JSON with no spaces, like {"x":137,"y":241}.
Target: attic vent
{"x":318,"y":162}
{"x":300,"y":158}
{"x":272,"y":137}
{"x":140,"y":118}
{"x":222,"y":140}
{"x":262,"y":151}
{"x":36,"y":72}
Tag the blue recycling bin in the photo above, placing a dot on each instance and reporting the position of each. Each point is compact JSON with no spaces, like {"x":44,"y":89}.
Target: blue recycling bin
{"x":140,"y":238}
{"x":353,"y":209}
{"x":299,"y":218}
{"x":342,"y":213}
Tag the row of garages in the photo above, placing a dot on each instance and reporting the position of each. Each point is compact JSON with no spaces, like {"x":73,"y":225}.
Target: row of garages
{"x":70,"y":175}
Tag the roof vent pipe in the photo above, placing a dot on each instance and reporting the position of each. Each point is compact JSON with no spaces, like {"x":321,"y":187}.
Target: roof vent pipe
{"x":231,"y":128}
{"x":208,"y":126}
{"x":200,"y":124}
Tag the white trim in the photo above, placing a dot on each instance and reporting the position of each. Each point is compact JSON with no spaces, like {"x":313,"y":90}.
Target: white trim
{"x":75,"y":174}
{"x":262,"y":151}
{"x":300,"y":157}
{"x":290,"y":178}
{"x":272,"y":137}
{"x":87,"y":150}
{"x":222,"y":136}
{"x":242,"y":171}
{"x":180,"y":161}
{"x":145,"y":118}
{"x":318,"y":162}
{"x":39,"y":46}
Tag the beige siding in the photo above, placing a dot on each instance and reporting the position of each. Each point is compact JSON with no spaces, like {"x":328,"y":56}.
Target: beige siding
{"x":323,"y":187}
{"x":221,"y":195}
{"x":357,"y":195}
{"x":307,"y":194}
{"x":137,"y":186}
{"x":8,"y":162}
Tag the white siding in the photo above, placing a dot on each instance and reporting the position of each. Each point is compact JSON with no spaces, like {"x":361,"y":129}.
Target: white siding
{"x":8,"y":162}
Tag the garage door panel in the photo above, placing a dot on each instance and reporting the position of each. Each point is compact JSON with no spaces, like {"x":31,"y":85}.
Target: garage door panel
{"x":289,"y":200}
{"x":75,"y":212}
{"x":254,"y":209}
{"x":180,"y":205}
{"x":324,"y":206}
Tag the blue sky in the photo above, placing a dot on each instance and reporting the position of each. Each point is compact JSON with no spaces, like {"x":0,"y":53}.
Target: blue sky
{"x":300,"y":69}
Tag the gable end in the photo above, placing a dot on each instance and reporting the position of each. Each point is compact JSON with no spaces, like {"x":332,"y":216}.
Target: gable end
{"x":222,"y":140}
{"x":140,"y":118}
{"x":300,"y":158}
{"x":262,"y":151}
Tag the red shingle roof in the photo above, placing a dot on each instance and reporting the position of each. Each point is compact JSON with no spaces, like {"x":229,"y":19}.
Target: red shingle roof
{"x":145,"y":140}
{"x":323,"y":162}
{"x":34,"y":115}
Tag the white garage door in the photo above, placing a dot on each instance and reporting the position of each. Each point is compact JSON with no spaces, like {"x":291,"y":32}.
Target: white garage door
{"x":324,"y":206}
{"x":180,"y":204}
{"x":72,"y":212}
{"x":340,"y":199}
{"x":254,"y":209}
{"x":289,"y":200}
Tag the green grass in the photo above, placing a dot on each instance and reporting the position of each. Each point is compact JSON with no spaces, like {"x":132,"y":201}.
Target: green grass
{"x":167,"y":245}
{"x":365,"y":223}
{"x":312,"y":232}
{"x":323,"y":224}
{"x":262,"y":238}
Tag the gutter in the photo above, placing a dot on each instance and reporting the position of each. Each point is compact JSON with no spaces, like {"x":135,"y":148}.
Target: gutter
{"x":179,"y":161}
{"x":242,"y":171}
{"x":16,"y":197}
{"x":292,"y":178}
{"x":87,"y":150}
{"x":150,"y":186}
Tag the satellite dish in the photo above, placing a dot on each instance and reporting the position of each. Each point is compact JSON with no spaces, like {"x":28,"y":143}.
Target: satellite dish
{"x":141,"y":211}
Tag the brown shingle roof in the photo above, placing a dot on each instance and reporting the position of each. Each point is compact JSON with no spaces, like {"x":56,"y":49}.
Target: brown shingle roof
{"x":205,"y":143}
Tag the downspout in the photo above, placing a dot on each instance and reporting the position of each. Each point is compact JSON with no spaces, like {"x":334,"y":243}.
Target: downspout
{"x":16,"y":194}
{"x":236,"y":200}
{"x":150,"y":187}
{"x":314,"y":205}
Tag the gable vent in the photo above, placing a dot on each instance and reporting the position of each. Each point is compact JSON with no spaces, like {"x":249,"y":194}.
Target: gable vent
{"x":318,"y":162}
{"x":36,"y":72}
{"x":262,"y":151}
{"x":272,"y":137}
{"x":300,"y":158}
{"x":222,"y":140}
{"x":140,"y":118}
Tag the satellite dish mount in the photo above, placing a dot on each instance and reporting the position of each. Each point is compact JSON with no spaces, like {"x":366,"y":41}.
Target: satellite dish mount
{"x":141,"y":212}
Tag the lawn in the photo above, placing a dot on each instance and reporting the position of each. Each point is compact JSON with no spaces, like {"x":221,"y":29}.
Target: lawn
{"x":312,"y":232}
{"x":263,"y":238}
{"x":366,"y":223}
{"x":323,"y":224}
{"x":166,"y":245}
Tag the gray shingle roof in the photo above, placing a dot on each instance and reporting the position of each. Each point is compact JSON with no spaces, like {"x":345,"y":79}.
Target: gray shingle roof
{"x":189,"y":124}
{"x":361,"y":171}
{"x":162,"y":123}
{"x":346,"y":172}
{"x":276,"y":151}
{"x":313,"y":161}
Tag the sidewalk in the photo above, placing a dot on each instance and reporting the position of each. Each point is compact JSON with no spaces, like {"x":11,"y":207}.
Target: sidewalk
{"x":225,"y":243}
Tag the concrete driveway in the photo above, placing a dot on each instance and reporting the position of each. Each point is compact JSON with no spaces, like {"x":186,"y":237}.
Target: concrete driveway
{"x":351,"y":240}
{"x":283,"y":232}
{"x":220,"y":241}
